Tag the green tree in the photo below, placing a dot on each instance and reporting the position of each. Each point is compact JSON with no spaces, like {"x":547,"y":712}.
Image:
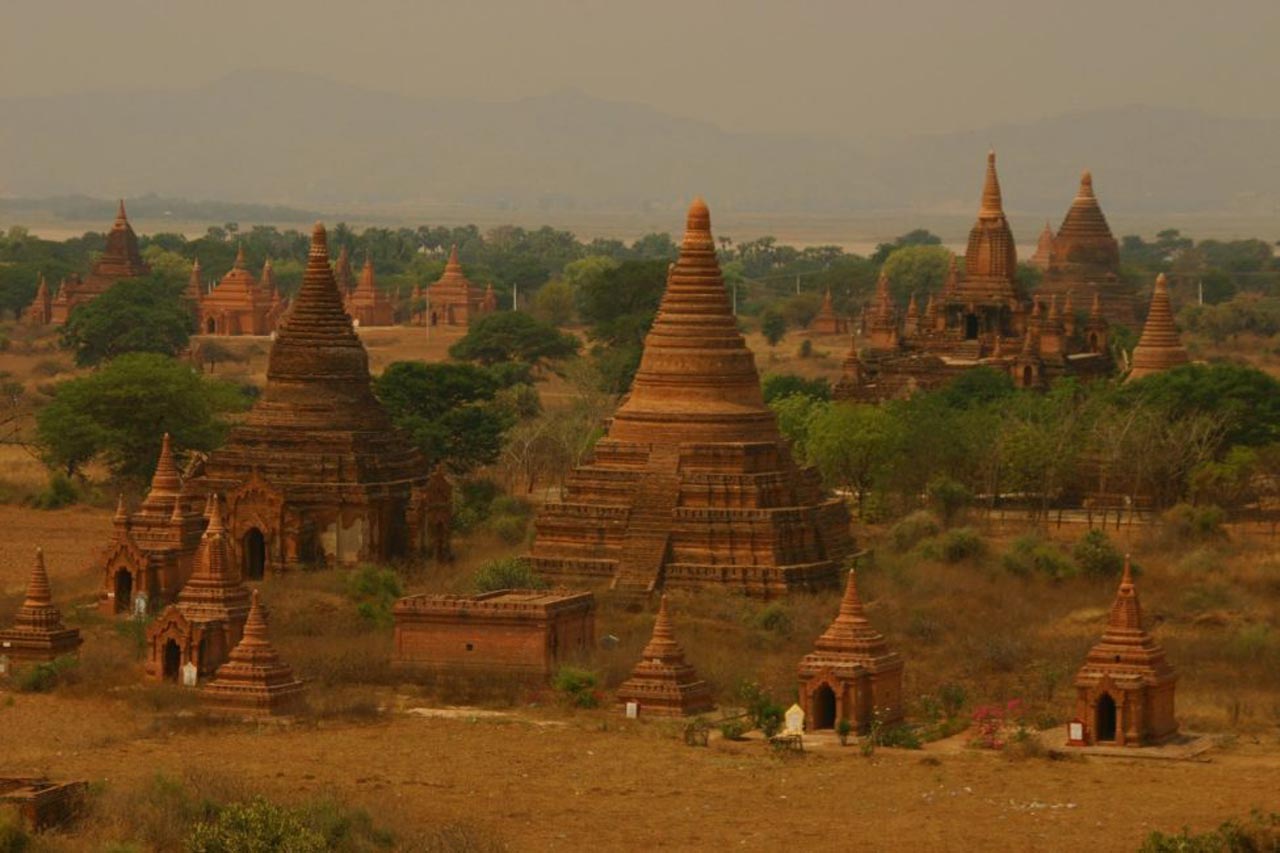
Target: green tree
{"x":553,"y":303}
{"x":916,"y":237}
{"x":449,"y":410}
{"x":513,"y":336}
{"x":134,"y":315}
{"x":773,"y":326}
{"x":620,"y":306}
{"x":918,"y":270}
{"x":853,"y":446}
{"x":778,"y":385}
{"x":1246,"y":399}
{"x":120,"y":412}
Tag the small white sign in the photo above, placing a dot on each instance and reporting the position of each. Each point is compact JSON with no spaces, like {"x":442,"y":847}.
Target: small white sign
{"x":1075,"y":731}
{"x":633,"y":710}
{"x":190,"y":675}
{"x":795,"y":720}
{"x":140,"y":605}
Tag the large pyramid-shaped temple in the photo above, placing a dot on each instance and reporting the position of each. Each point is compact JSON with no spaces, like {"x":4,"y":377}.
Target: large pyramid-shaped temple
{"x":316,"y":472}
{"x":693,"y":485}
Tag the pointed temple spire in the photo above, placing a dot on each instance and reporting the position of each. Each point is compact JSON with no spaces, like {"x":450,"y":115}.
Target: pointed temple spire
{"x":697,"y":380}
{"x":122,"y":218}
{"x":662,"y":683}
{"x":851,"y":632}
{"x":952,"y":284}
{"x":1084,"y":236}
{"x":239,"y":261}
{"x":1044,"y":248}
{"x":37,"y":633}
{"x":195,"y":287}
{"x":453,"y":265}
{"x":992,"y":201}
{"x":165,"y":482}
{"x":342,"y":272}
{"x":1159,"y":348}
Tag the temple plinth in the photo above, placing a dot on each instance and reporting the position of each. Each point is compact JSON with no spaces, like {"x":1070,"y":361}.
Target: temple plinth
{"x":851,"y":674}
{"x":37,"y":634}
{"x":254,"y":681}
{"x":663,"y":684}
{"x":1124,"y":690}
{"x":693,"y":485}
{"x":1159,"y":348}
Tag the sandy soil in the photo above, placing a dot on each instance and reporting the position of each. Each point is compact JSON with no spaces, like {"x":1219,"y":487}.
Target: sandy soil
{"x":635,"y":786}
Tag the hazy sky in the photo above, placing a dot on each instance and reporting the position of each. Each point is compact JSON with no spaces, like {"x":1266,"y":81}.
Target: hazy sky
{"x":849,"y":67}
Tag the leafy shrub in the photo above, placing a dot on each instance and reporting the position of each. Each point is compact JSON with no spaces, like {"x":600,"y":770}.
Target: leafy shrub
{"x":1096,"y":556}
{"x":507,"y":573}
{"x":578,"y":686}
{"x":13,"y":835}
{"x":375,"y":592}
{"x":806,"y":349}
{"x":733,"y":729}
{"x":59,"y":493}
{"x":948,"y":497}
{"x":511,"y":529}
{"x":1187,"y":523}
{"x":844,"y":729}
{"x":1031,"y":555}
{"x":255,"y":825}
{"x":778,"y":385}
{"x":913,"y":529}
{"x":954,"y":546}
{"x":953,"y":698}
{"x":1260,"y":832}
{"x":899,"y":736}
{"x":472,"y":501}
{"x":43,"y":677}
{"x":774,"y":619}
{"x":763,"y":711}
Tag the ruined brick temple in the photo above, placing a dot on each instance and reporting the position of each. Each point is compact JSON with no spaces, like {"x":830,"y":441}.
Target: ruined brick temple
{"x":239,"y":304}
{"x":663,"y":684}
{"x":37,"y":633}
{"x":1124,"y":690}
{"x":982,"y":318}
{"x":693,"y":486}
{"x":120,"y":259}
{"x":827,"y":321}
{"x":316,"y":473}
{"x":1083,"y":261}
{"x":208,"y":618}
{"x":524,"y":633}
{"x":452,"y":300}
{"x":851,"y":674}
{"x":366,"y":304}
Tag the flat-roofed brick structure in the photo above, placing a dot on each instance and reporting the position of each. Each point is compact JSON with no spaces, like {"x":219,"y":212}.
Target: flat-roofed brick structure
{"x":521,"y":632}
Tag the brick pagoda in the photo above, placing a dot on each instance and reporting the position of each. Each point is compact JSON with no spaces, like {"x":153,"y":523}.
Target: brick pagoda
{"x":1159,"y":348}
{"x":522,"y":633}
{"x":827,"y":321}
{"x":37,"y":634}
{"x":1084,"y":260}
{"x":693,"y":486}
{"x":1124,"y":691}
{"x":238,"y":305}
{"x":254,"y":681}
{"x":982,"y":318}
{"x":662,"y":683}
{"x":207,"y":621}
{"x":343,"y":274}
{"x":1044,"y":248}
{"x":152,"y":550}
{"x":453,"y":300}
{"x":120,"y":259}
{"x":367,"y":305}
{"x":40,"y":311}
{"x":851,"y":674}
{"x":315,"y":473}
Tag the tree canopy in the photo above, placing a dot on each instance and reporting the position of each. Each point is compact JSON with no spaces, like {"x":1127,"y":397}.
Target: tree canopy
{"x":134,"y":315}
{"x":119,"y":413}
{"x":513,"y":336}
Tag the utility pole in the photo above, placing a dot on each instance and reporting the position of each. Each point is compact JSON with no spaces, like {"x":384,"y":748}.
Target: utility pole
{"x":515,"y":296}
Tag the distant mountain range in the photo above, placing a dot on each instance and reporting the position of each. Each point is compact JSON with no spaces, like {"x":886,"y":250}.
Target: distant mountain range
{"x":303,"y":142}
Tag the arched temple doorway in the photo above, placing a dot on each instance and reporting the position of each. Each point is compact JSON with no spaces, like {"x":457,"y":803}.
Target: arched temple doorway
{"x":970,"y":327}
{"x":1105,"y":725}
{"x":254,"y":549}
{"x":1028,"y":377}
{"x":824,"y":708}
{"x":124,"y":591}
{"x":172,"y":660}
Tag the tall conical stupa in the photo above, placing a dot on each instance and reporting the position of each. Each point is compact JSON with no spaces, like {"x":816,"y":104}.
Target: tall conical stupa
{"x":991,"y":259}
{"x":316,"y":472}
{"x":693,"y":485}
{"x":1159,"y":348}
{"x":452,"y":300}
{"x":120,"y":259}
{"x":254,"y":681}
